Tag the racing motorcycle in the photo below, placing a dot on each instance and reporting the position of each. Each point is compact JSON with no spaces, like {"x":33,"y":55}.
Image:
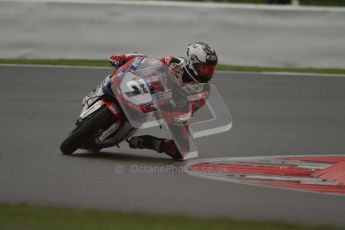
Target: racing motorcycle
{"x":139,"y":94}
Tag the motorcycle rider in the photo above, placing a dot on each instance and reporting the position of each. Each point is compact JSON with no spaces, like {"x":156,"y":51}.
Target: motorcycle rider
{"x":196,"y":67}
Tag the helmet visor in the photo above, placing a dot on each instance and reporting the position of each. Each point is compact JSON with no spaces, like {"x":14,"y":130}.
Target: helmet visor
{"x":206,"y":71}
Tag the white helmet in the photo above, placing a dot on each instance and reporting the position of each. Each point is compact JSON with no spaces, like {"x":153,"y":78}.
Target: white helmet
{"x":201,"y":61}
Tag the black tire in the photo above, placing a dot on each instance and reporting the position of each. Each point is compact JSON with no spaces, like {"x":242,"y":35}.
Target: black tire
{"x":102,"y":119}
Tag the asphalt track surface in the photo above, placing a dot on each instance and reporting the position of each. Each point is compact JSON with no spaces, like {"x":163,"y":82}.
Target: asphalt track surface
{"x":273,"y":115}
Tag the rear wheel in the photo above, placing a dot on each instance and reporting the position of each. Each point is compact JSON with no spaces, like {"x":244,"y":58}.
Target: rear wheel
{"x":101,"y":120}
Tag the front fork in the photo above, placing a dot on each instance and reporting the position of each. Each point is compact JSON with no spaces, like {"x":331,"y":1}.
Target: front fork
{"x":112,"y":108}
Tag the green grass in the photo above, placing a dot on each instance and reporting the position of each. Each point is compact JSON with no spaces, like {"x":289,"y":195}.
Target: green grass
{"x":230,"y":1}
{"x":340,"y":3}
{"x":323,"y":2}
{"x":280,"y":69}
{"x":73,"y":62}
{"x":36,"y":218}
{"x":236,"y":68}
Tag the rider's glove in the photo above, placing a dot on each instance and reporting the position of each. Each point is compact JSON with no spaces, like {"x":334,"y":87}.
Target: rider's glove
{"x":117,"y":61}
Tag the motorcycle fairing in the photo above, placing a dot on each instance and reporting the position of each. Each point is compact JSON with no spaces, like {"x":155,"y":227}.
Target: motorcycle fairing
{"x":146,"y":88}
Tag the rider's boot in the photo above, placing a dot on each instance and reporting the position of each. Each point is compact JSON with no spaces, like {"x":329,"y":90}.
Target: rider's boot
{"x":158,"y":144}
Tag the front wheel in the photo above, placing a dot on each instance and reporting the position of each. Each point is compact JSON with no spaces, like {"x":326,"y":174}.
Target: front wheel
{"x":101,"y":120}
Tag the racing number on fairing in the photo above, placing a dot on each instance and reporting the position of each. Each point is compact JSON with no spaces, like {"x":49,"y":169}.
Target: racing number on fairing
{"x":135,"y":90}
